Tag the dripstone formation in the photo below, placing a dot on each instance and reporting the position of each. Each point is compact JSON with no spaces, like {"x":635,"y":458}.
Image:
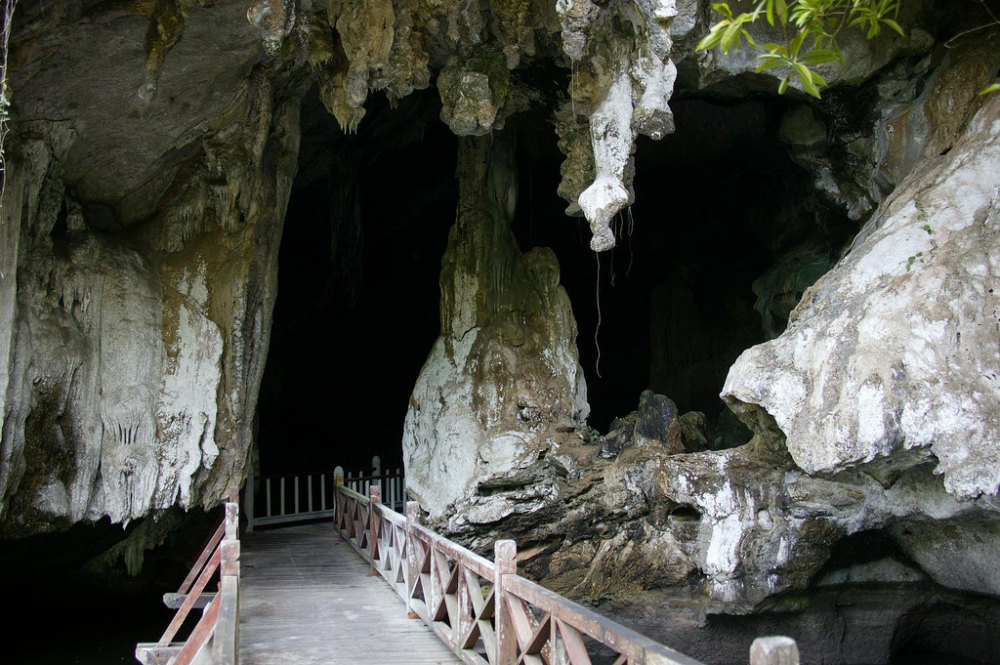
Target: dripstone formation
{"x":152,"y":154}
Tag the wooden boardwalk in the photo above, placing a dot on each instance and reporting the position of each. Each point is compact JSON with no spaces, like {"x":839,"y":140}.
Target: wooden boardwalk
{"x":306,"y":599}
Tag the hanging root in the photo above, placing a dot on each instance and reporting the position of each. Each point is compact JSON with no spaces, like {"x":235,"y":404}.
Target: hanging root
{"x":597,"y":328}
{"x":631,"y":228}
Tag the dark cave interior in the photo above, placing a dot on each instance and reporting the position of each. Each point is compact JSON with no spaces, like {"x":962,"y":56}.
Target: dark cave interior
{"x":717,"y":204}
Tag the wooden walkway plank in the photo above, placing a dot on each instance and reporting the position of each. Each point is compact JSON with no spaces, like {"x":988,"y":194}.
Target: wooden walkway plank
{"x":306,"y":599}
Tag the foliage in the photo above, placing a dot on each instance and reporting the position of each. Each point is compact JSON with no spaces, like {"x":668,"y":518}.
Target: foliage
{"x":810,"y":29}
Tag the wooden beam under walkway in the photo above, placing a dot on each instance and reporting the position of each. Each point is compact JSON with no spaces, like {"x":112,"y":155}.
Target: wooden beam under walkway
{"x":307,"y":599}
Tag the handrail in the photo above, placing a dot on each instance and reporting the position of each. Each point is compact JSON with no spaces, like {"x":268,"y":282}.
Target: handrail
{"x":219,"y":622}
{"x":306,"y":495}
{"x":483,"y":610}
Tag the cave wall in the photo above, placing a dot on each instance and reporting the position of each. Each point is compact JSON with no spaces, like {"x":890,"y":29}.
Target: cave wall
{"x":145,"y":207}
{"x":153,"y":151}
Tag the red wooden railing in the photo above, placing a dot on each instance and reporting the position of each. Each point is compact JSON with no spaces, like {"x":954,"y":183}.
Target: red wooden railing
{"x":218,"y":626}
{"x":484,"y":611}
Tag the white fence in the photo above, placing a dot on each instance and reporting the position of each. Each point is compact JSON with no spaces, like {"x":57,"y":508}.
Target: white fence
{"x":310,"y":496}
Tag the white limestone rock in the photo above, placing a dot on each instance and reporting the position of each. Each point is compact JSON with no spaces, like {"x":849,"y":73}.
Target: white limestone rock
{"x":503,"y":383}
{"x":138,"y":255}
{"x":896,"y":348}
{"x":627,"y":81}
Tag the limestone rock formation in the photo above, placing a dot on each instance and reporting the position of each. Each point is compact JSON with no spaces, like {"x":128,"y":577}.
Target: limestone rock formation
{"x":894,"y":351}
{"x":139,"y":259}
{"x":502,"y":385}
{"x":149,"y":168}
{"x":622,"y":80}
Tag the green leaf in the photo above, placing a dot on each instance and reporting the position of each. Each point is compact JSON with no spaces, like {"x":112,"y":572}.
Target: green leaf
{"x":783,"y":86}
{"x":819,"y":57}
{"x":781,"y":9}
{"x":993,"y":87}
{"x":713,"y":37}
{"x":796,"y":44}
{"x":805,"y":77}
{"x":817,"y":79}
{"x":770,"y":12}
{"x":770,"y":64}
{"x":731,"y":36}
{"x":723,"y":9}
{"x":895,"y":26}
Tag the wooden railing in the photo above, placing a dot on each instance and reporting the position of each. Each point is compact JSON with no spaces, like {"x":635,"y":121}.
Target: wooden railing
{"x":289,"y":498}
{"x":218,"y":627}
{"x":391,"y":482}
{"x":302,"y":497}
{"x":484,"y":611}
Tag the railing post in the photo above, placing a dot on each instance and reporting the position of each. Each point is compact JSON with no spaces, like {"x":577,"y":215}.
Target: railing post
{"x":410,"y":569}
{"x":267,"y":495}
{"x":374,"y":498}
{"x":377,"y":470}
{"x":338,"y":504}
{"x":504,"y":563}
{"x":232,"y":521}
{"x":248,"y":500}
{"x":775,"y":650}
{"x":226,"y":638}
{"x":281,"y":484}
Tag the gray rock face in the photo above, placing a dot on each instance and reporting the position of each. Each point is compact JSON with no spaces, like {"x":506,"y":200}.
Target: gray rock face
{"x":139,"y":264}
{"x":138,"y":251}
{"x":895,"y":349}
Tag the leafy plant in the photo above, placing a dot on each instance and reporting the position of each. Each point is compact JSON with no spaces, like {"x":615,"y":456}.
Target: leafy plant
{"x":810,"y":29}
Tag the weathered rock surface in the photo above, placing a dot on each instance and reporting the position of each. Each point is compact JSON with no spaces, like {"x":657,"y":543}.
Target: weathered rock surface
{"x":149,"y":170}
{"x":894,"y":351}
{"x":141,"y":223}
{"x":502,"y":385}
{"x":622,"y":80}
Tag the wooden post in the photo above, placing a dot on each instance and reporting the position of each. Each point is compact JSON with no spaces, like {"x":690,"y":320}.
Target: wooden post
{"x":505,"y":563}
{"x":338,"y":504}
{"x":267,"y":495}
{"x":774,"y":650}
{"x":227,"y":627}
{"x":232,"y":521}
{"x":374,"y":498}
{"x":410,"y":572}
{"x":226,"y":636}
{"x":248,"y":500}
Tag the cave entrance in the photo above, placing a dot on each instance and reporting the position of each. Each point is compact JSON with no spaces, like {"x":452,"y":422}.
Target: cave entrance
{"x":357,"y":305}
{"x":724,"y":236}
